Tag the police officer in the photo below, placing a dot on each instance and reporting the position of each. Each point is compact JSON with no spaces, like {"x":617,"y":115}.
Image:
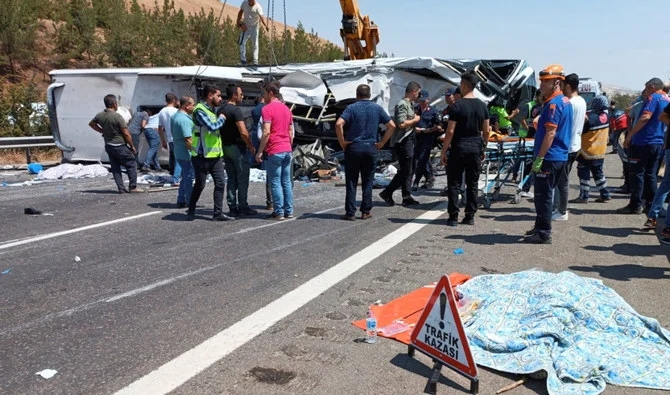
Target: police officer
{"x":552,"y":142}
{"x":427,"y":131}
{"x":207,"y":152}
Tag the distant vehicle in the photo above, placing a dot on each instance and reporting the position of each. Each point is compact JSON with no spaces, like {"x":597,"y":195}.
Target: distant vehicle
{"x":589,"y":89}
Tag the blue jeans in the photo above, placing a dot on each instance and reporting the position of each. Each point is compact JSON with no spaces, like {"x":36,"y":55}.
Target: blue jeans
{"x":359,"y":159}
{"x":586,"y":168}
{"x":186,"y":184}
{"x":136,"y":143}
{"x":175,"y":166}
{"x":662,"y":192}
{"x":545,"y":182}
{"x":643,"y":167}
{"x":154,"y":143}
{"x":279,"y":176}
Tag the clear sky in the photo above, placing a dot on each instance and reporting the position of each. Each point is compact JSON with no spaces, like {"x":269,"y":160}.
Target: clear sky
{"x":617,"y":42}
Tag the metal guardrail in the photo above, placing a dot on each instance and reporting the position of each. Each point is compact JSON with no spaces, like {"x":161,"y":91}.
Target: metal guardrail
{"x":27,"y":143}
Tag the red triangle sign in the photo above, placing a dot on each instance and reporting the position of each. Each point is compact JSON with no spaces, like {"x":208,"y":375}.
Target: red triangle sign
{"x":439,"y":332}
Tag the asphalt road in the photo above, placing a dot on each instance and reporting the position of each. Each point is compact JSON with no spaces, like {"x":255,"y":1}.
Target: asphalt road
{"x":147,"y":287}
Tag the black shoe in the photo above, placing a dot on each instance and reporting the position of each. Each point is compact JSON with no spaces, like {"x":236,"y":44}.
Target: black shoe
{"x":190,"y":216}
{"x":452,"y":221}
{"x":122,"y":191}
{"x":665,"y":240}
{"x":234,"y":212}
{"x":248,"y":211}
{"x":415,"y":187}
{"x":603,"y":199}
{"x":468,"y":220}
{"x":537,"y":239}
{"x":388,"y":199}
{"x":410,"y":201}
{"x":530,"y":231}
{"x":223,"y":217}
{"x":182,"y":205}
{"x":629,"y":210}
{"x":347,"y":217}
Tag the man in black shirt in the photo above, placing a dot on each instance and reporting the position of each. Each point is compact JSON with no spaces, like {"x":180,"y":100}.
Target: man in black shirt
{"x":467,"y":132}
{"x":235,"y":140}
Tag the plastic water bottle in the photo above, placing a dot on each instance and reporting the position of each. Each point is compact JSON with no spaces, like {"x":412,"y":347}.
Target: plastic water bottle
{"x":371,"y":327}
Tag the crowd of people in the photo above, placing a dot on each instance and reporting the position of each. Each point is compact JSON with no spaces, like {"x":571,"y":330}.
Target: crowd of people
{"x":211,"y":138}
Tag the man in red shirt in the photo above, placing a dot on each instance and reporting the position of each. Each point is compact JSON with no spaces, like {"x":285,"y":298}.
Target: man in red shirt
{"x":277,"y":143}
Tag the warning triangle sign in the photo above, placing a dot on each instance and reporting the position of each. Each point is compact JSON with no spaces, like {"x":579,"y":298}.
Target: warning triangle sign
{"x":439,"y":332}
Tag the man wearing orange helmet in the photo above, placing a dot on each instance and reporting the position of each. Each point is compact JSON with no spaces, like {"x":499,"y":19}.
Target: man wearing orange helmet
{"x":552,"y":143}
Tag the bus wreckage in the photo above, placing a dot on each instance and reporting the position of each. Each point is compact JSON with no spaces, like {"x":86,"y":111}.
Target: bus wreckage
{"x":316,"y":93}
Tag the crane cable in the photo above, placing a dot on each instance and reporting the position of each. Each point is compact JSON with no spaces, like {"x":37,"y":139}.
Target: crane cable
{"x":207,"y":48}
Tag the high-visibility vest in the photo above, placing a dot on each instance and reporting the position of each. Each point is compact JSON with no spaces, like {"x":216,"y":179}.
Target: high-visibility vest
{"x":204,"y":140}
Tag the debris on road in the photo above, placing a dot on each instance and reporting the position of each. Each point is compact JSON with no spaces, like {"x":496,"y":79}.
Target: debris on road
{"x":6,"y":271}
{"x":459,"y":251}
{"x":35,"y":168}
{"x":77,"y":259}
{"x":47,"y":373}
{"x":31,"y":211}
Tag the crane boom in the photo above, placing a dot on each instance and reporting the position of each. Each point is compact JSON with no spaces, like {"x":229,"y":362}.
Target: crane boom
{"x":356,"y":30}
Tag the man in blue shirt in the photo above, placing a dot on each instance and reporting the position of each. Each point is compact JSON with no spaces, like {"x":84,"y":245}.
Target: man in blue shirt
{"x":645,"y":146}
{"x":181,"y":125}
{"x":427,"y":131}
{"x":361,"y":147}
{"x":552,"y":143}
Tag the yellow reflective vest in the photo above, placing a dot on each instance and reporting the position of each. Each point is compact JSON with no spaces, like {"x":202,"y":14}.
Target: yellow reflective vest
{"x":205,"y":141}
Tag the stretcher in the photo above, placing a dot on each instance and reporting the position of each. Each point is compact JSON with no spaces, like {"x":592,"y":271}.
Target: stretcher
{"x":505,"y":162}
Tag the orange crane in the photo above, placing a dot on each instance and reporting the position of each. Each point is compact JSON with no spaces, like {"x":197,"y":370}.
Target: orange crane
{"x":356,"y":29}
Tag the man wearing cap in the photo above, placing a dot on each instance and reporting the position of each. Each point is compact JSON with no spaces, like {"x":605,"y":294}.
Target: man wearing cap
{"x":552,"y":141}
{"x":427,"y":131}
{"x":645,"y":145}
{"x":403,"y":144}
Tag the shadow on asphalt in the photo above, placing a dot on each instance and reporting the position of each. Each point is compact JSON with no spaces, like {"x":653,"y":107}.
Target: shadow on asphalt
{"x":625,"y":272}
{"x":508,"y":209}
{"x":613,"y":232}
{"x":417,"y":367}
{"x":163,"y":205}
{"x":634,"y":250}
{"x":181,"y":217}
{"x":102,"y":191}
{"x":488,"y":239}
{"x":509,"y":218}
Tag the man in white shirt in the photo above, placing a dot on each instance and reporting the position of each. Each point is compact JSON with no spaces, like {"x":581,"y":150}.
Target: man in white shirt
{"x":165,"y":132}
{"x":253,"y":15}
{"x":579,"y":117}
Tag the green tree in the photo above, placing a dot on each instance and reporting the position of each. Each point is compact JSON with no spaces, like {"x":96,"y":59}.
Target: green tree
{"x":18,"y":27}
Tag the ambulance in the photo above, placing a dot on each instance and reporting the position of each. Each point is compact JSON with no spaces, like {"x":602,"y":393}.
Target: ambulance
{"x":589,"y":89}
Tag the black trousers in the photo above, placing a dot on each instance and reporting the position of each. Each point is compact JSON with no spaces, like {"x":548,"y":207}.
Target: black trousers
{"x":545,"y":182}
{"x":359,"y":159}
{"x":202,"y":167}
{"x":471,"y":165}
{"x":404,"y":150}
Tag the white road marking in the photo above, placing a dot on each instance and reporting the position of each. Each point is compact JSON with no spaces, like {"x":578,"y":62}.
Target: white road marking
{"x":33,"y":239}
{"x":245,"y":230}
{"x":186,"y":366}
{"x":137,"y":291}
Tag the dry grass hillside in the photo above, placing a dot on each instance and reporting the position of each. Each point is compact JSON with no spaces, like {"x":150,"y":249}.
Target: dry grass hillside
{"x":230,"y":11}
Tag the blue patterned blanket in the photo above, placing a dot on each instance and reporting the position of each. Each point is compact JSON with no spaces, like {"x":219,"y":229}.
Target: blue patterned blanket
{"x":582,"y":333}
